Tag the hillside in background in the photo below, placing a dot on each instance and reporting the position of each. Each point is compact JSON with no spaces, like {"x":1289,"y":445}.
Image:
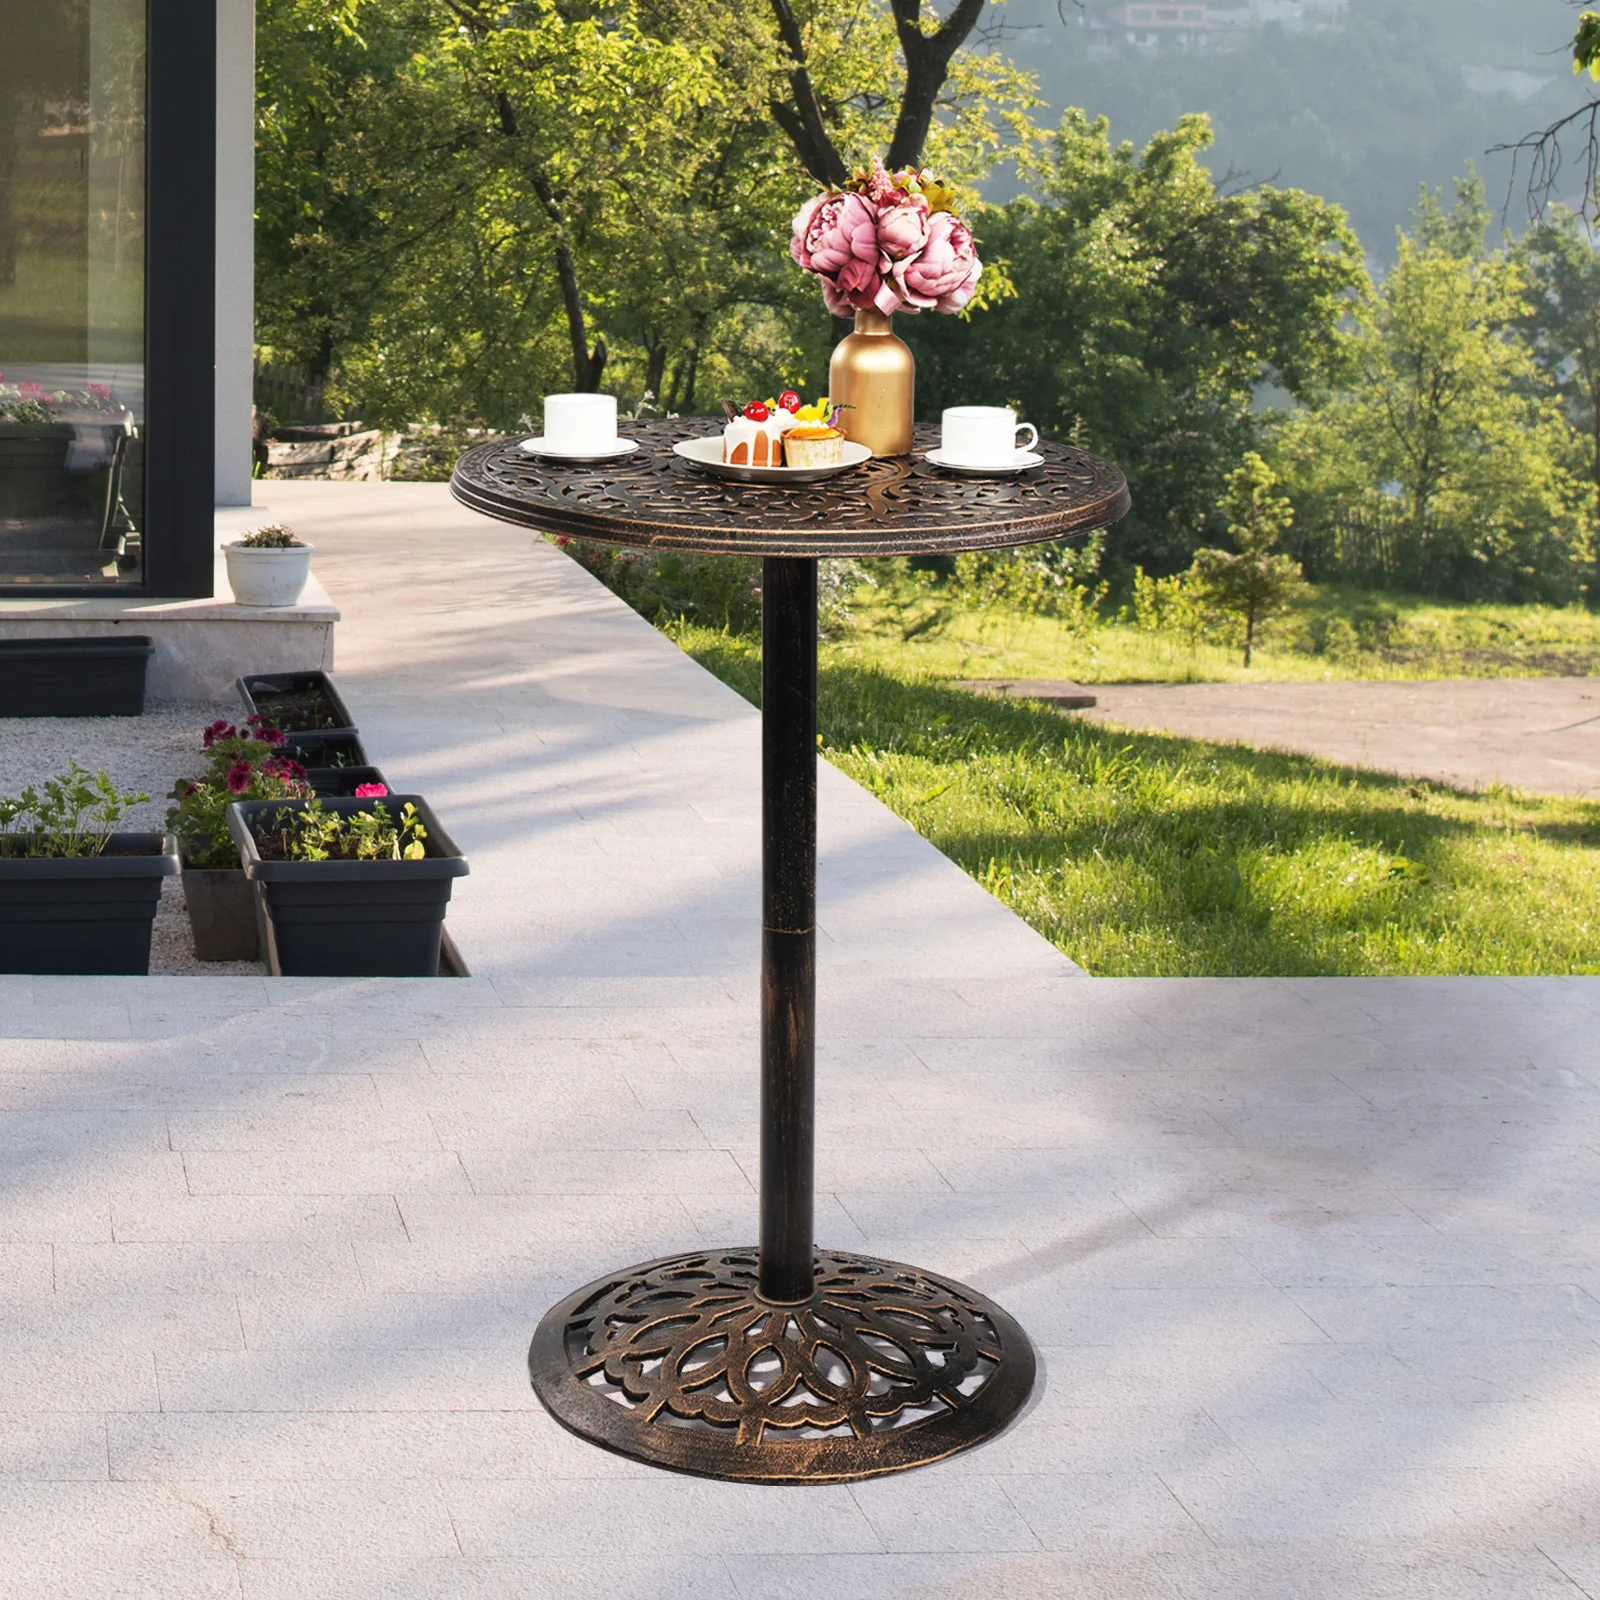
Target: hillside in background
{"x":1360,"y":103}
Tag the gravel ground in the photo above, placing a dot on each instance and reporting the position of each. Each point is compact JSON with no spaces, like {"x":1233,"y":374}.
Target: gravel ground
{"x":143,"y":754}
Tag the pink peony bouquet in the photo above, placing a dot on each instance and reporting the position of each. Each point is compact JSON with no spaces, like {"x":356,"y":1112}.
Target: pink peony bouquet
{"x":890,"y":240}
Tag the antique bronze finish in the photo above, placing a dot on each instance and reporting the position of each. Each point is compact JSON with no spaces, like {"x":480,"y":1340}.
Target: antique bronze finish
{"x":899,"y":507}
{"x":683,"y":1362}
{"x":873,"y":374}
{"x":783,"y":1363}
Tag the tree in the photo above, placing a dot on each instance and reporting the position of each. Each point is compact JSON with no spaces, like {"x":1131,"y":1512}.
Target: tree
{"x":459,"y":197}
{"x":1563,"y":273}
{"x":1449,"y":426}
{"x":1542,"y":153}
{"x":1250,"y":581}
{"x":1150,"y":308}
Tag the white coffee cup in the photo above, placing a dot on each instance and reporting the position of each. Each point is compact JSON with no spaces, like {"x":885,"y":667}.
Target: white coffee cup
{"x":984,"y":436}
{"x":579,"y":423}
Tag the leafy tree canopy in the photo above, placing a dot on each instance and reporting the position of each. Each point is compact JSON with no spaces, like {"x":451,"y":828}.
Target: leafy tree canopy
{"x":1150,"y":307}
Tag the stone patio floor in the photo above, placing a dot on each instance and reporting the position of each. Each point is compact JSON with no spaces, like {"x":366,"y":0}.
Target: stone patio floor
{"x":1313,"y":1267}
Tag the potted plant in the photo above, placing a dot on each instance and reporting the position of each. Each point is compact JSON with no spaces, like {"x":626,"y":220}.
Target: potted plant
{"x":297,"y":702}
{"x":348,"y":888}
{"x":245,"y":763}
{"x":268,"y":567}
{"x":75,"y":894}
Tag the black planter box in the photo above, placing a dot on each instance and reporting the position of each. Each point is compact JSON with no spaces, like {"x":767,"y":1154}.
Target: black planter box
{"x":321,"y":750}
{"x":222,"y":913}
{"x":92,"y":677}
{"x":86,"y":914}
{"x":265,"y":693}
{"x":350,"y":919}
{"x":342,"y":782}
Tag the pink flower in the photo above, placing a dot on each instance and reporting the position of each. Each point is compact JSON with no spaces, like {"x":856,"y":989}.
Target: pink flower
{"x":371,"y":791}
{"x":218,"y":730}
{"x":283,"y":767}
{"x":902,"y":227}
{"x":945,"y":274}
{"x":239,"y":777}
{"x":836,"y":239}
{"x":99,"y":391}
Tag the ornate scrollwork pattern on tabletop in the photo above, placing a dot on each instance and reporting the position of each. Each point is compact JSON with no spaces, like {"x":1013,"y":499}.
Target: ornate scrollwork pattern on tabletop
{"x":681,"y":1362}
{"x":897,"y":506}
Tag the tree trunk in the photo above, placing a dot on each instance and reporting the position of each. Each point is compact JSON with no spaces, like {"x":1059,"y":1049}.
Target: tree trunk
{"x":8,"y":167}
{"x":804,"y":119}
{"x":656,"y":368}
{"x":587,"y":364}
{"x":1594,"y":583}
{"x":1249,"y":631}
{"x":692,"y":374}
{"x":927,"y":66}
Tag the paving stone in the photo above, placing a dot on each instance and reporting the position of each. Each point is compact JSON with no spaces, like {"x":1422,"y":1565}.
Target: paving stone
{"x":1311,"y":1266}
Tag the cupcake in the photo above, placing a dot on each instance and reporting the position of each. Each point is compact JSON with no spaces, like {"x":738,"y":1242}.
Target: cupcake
{"x":813,"y":444}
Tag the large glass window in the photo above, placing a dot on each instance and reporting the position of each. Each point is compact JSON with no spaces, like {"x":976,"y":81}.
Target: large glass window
{"x":72,"y":300}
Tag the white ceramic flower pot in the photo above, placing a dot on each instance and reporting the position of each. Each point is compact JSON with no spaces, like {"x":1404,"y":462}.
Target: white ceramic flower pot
{"x":267,"y":577}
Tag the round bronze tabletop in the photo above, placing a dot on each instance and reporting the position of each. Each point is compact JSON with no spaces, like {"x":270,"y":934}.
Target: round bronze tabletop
{"x":900,"y":505}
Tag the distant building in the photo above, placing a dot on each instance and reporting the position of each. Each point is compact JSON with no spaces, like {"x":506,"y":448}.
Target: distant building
{"x":1145,"y":24}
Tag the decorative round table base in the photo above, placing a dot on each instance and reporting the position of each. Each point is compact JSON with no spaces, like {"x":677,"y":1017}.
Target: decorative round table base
{"x":680,"y":1362}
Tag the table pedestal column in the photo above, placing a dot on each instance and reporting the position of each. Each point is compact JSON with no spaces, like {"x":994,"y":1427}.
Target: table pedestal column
{"x":782,"y":1363}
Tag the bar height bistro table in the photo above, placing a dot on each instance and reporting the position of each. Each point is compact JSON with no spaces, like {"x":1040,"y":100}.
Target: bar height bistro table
{"x":781,"y":1362}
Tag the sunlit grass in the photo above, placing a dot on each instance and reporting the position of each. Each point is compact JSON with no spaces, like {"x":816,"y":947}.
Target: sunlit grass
{"x":1146,"y":855}
{"x":909,"y":624}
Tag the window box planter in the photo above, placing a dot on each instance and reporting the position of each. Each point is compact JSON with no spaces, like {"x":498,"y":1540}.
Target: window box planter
{"x":342,"y":782}
{"x":321,"y":750}
{"x":67,"y":470}
{"x":99,"y":677}
{"x":84,"y":914}
{"x":296,"y":702}
{"x":222,"y":913}
{"x":349,"y":919}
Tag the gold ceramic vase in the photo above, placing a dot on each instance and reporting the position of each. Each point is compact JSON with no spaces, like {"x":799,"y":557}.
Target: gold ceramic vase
{"x":873,"y":373}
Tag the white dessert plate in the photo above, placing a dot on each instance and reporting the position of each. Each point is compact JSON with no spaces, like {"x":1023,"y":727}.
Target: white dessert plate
{"x":542,"y":447}
{"x":707,"y":455}
{"x":1019,"y":463}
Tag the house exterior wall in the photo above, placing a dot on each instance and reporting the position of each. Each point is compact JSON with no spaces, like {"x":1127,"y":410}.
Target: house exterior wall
{"x":236,"y":162}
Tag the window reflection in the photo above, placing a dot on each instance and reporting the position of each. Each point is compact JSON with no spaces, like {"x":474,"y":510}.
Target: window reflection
{"x":72,"y":264}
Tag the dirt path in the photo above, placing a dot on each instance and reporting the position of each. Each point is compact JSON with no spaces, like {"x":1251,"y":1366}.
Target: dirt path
{"x":1537,"y":734}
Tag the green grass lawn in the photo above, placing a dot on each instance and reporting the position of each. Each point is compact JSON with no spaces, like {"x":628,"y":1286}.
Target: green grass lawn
{"x":909,"y":624}
{"x":1144,"y":855}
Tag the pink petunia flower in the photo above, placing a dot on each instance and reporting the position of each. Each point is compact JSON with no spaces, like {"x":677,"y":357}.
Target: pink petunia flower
{"x":371,"y":791}
{"x":220,"y":729}
{"x":239,"y":777}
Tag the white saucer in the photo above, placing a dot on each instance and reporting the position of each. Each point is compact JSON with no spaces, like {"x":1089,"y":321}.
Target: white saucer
{"x":706,"y":454}
{"x":538,"y":447}
{"x":1021,"y":462}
